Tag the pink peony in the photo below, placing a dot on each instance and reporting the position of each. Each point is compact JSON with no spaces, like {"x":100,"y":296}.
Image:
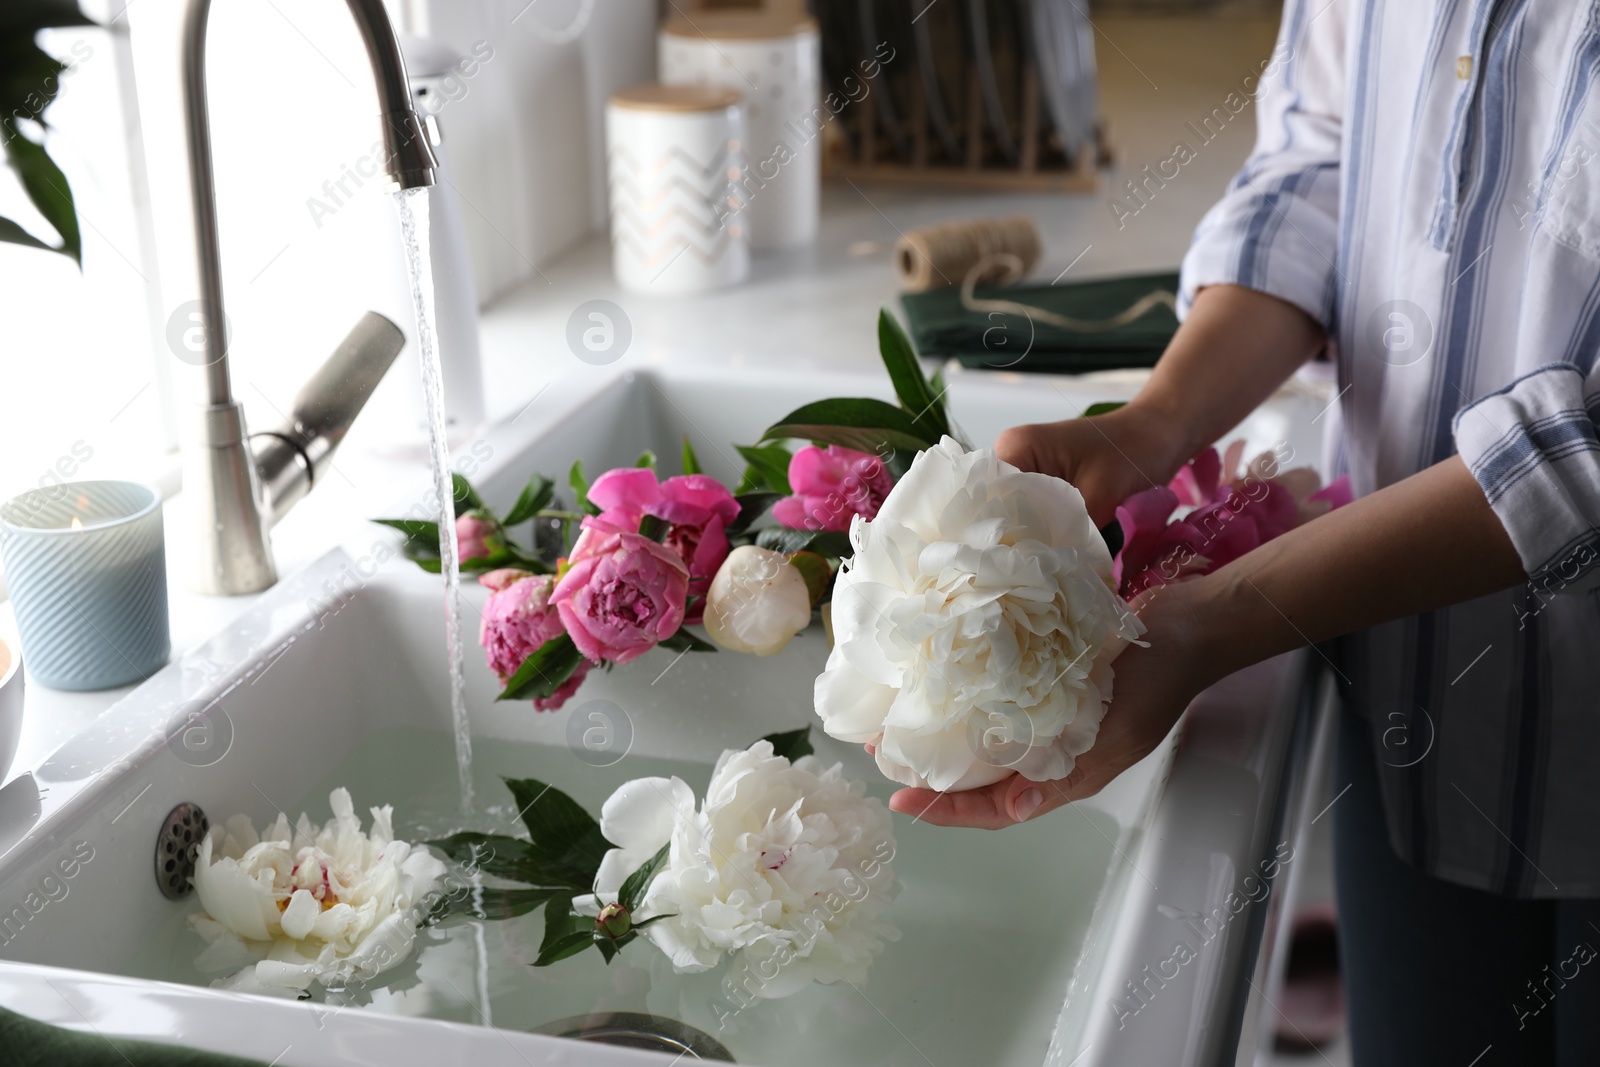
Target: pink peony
{"x":1230,"y":518}
{"x":832,"y":485}
{"x":478,"y":535}
{"x":622,"y":593}
{"x":517,"y":619}
{"x":696,"y":508}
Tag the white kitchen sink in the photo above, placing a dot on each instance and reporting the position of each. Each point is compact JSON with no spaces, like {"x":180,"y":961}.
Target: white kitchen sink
{"x":1010,"y":941}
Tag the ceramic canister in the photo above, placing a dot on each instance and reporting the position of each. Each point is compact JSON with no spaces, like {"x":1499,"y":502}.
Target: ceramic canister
{"x":775,"y":59}
{"x":87,"y":570}
{"x":674,"y":157}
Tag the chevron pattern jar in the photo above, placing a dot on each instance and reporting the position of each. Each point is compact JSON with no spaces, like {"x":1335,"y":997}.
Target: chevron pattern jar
{"x":675,"y":157}
{"x":86,"y":566}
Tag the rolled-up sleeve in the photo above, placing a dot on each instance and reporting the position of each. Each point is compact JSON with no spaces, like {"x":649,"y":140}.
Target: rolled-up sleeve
{"x":1533,"y":448}
{"x":1276,"y":229}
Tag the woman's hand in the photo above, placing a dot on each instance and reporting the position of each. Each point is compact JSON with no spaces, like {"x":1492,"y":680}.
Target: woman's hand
{"x":1154,"y":683}
{"x":1107,"y":457}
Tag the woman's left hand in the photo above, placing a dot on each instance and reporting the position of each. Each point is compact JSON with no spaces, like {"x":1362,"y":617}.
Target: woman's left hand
{"x":1154,"y":683}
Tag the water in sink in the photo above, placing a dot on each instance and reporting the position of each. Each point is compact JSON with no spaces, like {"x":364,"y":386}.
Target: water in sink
{"x":991,"y":924}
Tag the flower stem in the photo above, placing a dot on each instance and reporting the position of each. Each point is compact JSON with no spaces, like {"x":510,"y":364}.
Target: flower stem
{"x":553,"y":513}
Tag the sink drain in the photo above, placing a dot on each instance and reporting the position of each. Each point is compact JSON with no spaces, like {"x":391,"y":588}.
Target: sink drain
{"x":630,"y":1029}
{"x":179,"y":841}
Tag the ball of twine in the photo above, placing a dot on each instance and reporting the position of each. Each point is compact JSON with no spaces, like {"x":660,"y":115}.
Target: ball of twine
{"x":1000,"y":250}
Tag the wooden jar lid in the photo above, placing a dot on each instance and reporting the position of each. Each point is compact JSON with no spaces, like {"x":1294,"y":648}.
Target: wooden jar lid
{"x":650,"y":96}
{"x":739,"y":25}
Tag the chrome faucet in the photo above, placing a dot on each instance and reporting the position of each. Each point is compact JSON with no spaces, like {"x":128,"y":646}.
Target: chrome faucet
{"x":239,"y":484}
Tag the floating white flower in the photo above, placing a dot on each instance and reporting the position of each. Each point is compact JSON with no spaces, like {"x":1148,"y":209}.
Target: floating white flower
{"x":284,"y":909}
{"x":785,"y":868}
{"x":974,"y":627}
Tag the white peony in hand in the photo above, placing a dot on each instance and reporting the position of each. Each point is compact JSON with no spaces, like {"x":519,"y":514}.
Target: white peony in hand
{"x":974,"y":627}
{"x":785,"y":867}
{"x":317,"y":905}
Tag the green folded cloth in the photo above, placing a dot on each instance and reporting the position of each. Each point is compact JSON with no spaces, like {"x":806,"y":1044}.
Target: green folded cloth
{"x":942,"y":328}
{"x":26,"y":1042}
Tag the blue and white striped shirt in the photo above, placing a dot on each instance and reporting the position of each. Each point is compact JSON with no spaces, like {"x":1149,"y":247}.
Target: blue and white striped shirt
{"x":1425,"y":184}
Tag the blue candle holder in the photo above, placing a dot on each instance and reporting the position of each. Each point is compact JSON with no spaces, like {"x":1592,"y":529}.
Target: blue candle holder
{"x":86,"y":566}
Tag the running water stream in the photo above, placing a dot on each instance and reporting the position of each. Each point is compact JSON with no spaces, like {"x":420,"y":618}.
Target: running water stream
{"x":413,"y":208}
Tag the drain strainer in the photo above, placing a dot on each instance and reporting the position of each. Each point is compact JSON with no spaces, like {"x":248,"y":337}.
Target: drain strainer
{"x":632,"y":1029}
{"x":181,"y":833}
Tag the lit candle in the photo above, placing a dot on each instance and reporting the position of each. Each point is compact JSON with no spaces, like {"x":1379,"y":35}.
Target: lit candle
{"x":86,"y":566}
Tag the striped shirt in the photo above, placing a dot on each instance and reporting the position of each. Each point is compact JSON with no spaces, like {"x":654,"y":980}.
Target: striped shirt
{"x":1425,"y":184}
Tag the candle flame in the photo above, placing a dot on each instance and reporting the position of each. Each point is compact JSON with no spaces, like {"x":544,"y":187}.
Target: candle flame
{"x":76,"y":525}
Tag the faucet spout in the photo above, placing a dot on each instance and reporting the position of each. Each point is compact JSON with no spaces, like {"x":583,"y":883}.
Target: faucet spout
{"x":233,"y":491}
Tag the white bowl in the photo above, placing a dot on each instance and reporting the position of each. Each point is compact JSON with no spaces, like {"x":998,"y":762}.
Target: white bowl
{"x":10,"y":700}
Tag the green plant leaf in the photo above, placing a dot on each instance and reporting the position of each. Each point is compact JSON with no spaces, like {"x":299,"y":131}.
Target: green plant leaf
{"x":861,"y":423}
{"x":691,"y":462}
{"x":653,"y":527}
{"x":831,"y":543}
{"x":751,"y":507}
{"x":646,"y":459}
{"x":48,"y":189}
{"x":634,"y":886}
{"x":792,"y":745}
{"x":771,"y":463}
{"x":560,"y":920}
{"x":489,"y":903}
{"x":580,"y":489}
{"x":1103,"y":407}
{"x":503,"y":856}
{"x":685,"y":641}
{"x":422,"y":533}
{"x":11,"y":233}
{"x":566,"y":946}
{"x":564,"y":838}
{"x":816,"y":571}
{"x":921,"y":402}
{"x":23,"y":19}
{"x":466,"y":497}
{"x":542,"y":673}
{"x":536,"y":496}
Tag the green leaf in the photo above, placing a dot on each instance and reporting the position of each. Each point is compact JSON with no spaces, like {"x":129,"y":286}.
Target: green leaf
{"x":686,"y":641}
{"x":466,"y":497}
{"x":792,"y":745}
{"x":1103,"y":407}
{"x":691,"y":462}
{"x":47,"y":188}
{"x":646,"y":459}
{"x":489,"y":903}
{"x":633,"y":888}
{"x":560,"y":920}
{"x":422,"y":533}
{"x":565,"y":946}
{"x":608,"y":947}
{"x":861,"y":423}
{"x":11,"y":233}
{"x":832,"y":543}
{"x":503,"y":856}
{"x":751,"y":507}
{"x":771,"y":463}
{"x":816,"y":571}
{"x":921,"y":402}
{"x":564,"y":837}
{"x":536,"y":496}
{"x":653,"y":919}
{"x":580,"y":489}
{"x":653,"y":527}
{"x":19,"y":19}
{"x":543,"y":672}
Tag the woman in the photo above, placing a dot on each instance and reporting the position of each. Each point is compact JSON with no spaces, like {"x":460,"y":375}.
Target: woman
{"x":1419,"y":200}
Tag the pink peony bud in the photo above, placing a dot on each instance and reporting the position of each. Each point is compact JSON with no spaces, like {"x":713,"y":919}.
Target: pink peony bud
{"x":831,"y":486}
{"x":696,"y":508}
{"x":517,"y":620}
{"x":478,"y":535}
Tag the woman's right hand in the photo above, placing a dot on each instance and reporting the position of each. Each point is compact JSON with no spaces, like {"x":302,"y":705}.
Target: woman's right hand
{"x":1107,"y":457}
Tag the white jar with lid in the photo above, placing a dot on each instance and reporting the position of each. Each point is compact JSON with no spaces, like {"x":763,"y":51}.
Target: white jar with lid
{"x":774,"y":58}
{"x":675,"y":155}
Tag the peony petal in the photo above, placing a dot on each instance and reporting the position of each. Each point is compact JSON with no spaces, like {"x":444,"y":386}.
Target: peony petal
{"x":852,"y":707}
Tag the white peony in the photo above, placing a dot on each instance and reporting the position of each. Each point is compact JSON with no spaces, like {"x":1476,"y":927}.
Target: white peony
{"x":321,"y":905}
{"x":785,"y":868}
{"x":757,"y":601}
{"x":974,"y":627}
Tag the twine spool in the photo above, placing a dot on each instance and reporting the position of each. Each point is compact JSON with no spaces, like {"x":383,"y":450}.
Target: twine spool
{"x":1002,"y":250}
